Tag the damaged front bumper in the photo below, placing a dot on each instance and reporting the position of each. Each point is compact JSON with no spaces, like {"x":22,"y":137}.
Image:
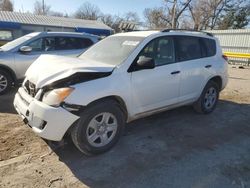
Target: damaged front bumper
{"x":48,"y":122}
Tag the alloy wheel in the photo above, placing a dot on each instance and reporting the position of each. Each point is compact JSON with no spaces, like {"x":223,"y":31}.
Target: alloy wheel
{"x":210,"y":98}
{"x":3,"y":83}
{"x":101,"y":129}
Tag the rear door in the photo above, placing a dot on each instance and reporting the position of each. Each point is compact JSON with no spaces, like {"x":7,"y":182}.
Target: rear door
{"x":159,"y":87}
{"x":194,"y":65}
{"x":72,"y":46}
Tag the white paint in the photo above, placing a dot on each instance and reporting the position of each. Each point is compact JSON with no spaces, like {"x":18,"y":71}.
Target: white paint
{"x":143,"y":92}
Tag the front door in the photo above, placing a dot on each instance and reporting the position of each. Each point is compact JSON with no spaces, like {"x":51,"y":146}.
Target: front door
{"x":39,"y":46}
{"x":159,"y":87}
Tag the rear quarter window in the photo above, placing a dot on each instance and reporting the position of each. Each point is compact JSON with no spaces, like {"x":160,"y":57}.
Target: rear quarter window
{"x":209,"y":47}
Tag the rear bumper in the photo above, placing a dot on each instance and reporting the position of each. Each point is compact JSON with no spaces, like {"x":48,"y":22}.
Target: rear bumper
{"x":48,"y":122}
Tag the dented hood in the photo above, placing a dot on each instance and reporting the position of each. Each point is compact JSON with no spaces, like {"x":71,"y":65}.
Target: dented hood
{"x":50,"y":68}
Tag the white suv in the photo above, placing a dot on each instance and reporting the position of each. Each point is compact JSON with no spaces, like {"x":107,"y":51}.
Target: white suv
{"x":124,"y":77}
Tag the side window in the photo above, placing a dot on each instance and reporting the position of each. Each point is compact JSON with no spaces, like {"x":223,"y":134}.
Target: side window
{"x":36,"y":45}
{"x":71,"y":43}
{"x":62,"y":43}
{"x":209,"y":46}
{"x":43,"y":44}
{"x":82,"y":43}
{"x":161,"y":50}
{"x":149,"y":50}
{"x":49,"y":44}
{"x":165,"y":51}
{"x":188,"y":48}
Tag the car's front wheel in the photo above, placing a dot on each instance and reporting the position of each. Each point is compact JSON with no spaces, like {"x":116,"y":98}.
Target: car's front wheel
{"x":208,"y":99}
{"x":99,"y":128}
{"x":5,"y":82}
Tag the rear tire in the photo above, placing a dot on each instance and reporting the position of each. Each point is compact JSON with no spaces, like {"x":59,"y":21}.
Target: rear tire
{"x":5,"y":82}
{"x":99,"y":128}
{"x":208,"y":99}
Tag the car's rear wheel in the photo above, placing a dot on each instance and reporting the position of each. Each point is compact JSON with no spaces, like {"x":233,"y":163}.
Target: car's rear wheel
{"x":99,"y":128}
{"x":208,"y":99}
{"x":5,"y":82}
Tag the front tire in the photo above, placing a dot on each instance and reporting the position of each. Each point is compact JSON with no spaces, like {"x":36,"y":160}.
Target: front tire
{"x":99,"y":128}
{"x":208,"y":99}
{"x":5,"y":82}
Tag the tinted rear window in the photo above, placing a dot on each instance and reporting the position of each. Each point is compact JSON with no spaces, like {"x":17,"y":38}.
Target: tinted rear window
{"x":209,"y":47}
{"x":188,"y":48}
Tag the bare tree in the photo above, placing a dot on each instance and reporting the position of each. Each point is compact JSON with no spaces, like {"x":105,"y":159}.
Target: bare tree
{"x":200,"y":14}
{"x":217,"y":6}
{"x":206,"y":13}
{"x":58,"y":14}
{"x":116,"y":23}
{"x":167,"y":15}
{"x":41,"y":8}
{"x":131,"y":17}
{"x":6,"y":5}
{"x":107,"y":19}
{"x":175,"y":9}
{"x":154,"y":18}
{"x":88,"y":11}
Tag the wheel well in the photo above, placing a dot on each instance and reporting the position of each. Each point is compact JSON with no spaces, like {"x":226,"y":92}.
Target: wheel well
{"x":116,"y":99}
{"x":217,"y":80}
{"x":9,"y":71}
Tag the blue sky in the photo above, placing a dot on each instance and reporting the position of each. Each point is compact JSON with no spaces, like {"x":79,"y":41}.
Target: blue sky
{"x":106,"y":6}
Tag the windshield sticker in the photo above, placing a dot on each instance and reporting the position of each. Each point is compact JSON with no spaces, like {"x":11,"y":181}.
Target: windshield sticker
{"x":130,"y":43}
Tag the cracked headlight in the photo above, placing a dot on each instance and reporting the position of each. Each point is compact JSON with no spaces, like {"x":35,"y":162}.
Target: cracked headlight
{"x":56,"y":96}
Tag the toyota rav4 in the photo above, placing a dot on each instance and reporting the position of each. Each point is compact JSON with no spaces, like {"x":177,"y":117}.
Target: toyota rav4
{"x":123,"y":77}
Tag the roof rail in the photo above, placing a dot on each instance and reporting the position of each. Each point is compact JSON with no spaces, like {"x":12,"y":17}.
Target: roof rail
{"x":168,"y":30}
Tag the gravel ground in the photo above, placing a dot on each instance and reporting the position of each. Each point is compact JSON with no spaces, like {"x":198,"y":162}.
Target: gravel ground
{"x":177,"y":148}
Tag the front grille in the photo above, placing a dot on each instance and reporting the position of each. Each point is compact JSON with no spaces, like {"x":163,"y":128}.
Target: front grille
{"x":30,"y":88}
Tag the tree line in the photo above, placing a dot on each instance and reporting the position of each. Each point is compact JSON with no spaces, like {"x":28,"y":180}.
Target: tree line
{"x":184,"y":14}
{"x":199,"y":14}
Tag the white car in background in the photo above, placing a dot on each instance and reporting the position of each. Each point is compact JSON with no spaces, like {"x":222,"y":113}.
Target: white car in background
{"x":16,"y":56}
{"x":123,"y":77}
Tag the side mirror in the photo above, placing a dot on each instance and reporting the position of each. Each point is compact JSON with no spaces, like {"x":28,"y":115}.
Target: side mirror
{"x":145,"y":63}
{"x":25,"y":49}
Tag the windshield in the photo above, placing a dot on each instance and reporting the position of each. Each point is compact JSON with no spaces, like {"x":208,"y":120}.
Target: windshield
{"x":17,"y":42}
{"x":112,"y":50}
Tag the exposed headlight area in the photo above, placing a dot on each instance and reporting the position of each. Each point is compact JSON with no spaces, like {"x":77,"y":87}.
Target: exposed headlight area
{"x":30,"y":88}
{"x":56,"y":96}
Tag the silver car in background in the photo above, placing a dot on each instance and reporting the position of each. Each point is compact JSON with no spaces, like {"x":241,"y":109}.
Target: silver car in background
{"x":16,"y":56}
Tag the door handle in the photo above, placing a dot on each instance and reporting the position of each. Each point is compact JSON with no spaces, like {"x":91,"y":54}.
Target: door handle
{"x":208,"y":66}
{"x":175,"y":72}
